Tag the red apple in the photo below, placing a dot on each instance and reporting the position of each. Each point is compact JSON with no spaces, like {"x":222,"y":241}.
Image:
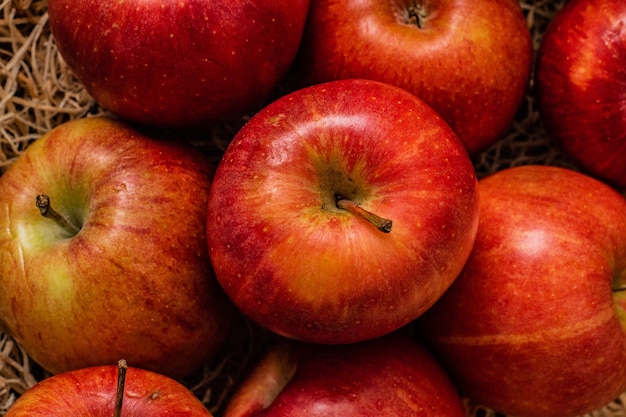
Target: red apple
{"x":93,"y":392}
{"x":131,"y":277}
{"x":305,"y":193}
{"x":534,"y":325}
{"x":470,"y":60}
{"x":388,"y":376}
{"x":581,"y":85}
{"x":181,"y":63}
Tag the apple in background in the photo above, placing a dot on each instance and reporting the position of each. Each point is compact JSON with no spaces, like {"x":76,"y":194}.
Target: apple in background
{"x":131,"y":276}
{"x":178,"y":63}
{"x":388,"y":376}
{"x":470,"y":60}
{"x":341,"y":212}
{"x":96,"y":392}
{"x":581,"y":85}
{"x":534,"y":325}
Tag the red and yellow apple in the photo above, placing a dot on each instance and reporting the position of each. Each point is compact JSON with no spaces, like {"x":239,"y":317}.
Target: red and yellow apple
{"x":119,"y":267}
{"x":534,"y":325}
{"x":341,"y":212}
{"x":470,"y":60}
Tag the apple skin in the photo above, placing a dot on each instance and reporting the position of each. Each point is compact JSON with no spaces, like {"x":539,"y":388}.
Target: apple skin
{"x":91,"y":392}
{"x":178,"y":63}
{"x":293,"y":261}
{"x":470,"y":60}
{"x":532,"y":326}
{"x":136,"y":281}
{"x":389,"y":376}
{"x":580,"y":81}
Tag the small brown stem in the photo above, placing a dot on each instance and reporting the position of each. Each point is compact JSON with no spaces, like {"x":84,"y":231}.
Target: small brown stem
{"x":46,"y":210}
{"x":122,"y":367}
{"x":416,"y":14}
{"x":382,"y":224}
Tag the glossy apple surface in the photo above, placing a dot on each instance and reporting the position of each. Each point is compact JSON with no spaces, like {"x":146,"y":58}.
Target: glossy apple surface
{"x":534,"y":324}
{"x":390,"y":376}
{"x":91,"y":392}
{"x":136,"y":280}
{"x":470,"y":60}
{"x":580,"y":84}
{"x":294,"y":261}
{"x":178,"y":63}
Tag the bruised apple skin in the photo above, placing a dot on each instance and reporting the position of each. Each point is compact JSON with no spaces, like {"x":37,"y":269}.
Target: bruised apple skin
{"x":390,"y":376}
{"x":534,"y":325}
{"x":134,"y":280}
{"x":290,"y":251}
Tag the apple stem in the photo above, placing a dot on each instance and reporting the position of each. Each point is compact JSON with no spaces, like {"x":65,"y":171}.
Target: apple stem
{"x":122,"y":367}
{"x":416,"y":14}
{"x":46,"y":210}
{"x":382,"y":224}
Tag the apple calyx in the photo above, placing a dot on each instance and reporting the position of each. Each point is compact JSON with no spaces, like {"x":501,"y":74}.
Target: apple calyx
{"x":122,"y":367}
{"x":46,"y":210}
{"x":382,"y":224}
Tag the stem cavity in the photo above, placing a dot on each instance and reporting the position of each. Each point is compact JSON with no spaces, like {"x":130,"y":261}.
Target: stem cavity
{"x":46,"y":210}
{"x":415,"y":14}
{"x":382,"y":224}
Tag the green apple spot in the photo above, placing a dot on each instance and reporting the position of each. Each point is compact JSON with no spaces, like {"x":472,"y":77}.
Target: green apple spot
{"x":46,"y":210}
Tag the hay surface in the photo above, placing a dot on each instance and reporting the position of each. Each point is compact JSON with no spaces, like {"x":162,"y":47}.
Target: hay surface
{"x":38,"y":92}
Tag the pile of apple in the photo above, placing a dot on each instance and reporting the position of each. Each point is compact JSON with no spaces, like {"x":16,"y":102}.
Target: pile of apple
{"x":345,"y":217}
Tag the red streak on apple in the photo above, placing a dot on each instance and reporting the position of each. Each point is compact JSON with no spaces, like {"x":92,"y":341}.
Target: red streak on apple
{"x":136,"y":280}
{"x":294,"y":261}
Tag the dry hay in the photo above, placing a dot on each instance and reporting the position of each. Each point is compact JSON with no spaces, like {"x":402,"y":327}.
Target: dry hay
{"x":38,"y":92}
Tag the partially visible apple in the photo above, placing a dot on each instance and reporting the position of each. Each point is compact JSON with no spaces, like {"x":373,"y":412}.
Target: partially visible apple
{"x":97,"y":392}
{"x":131,"y":277}
{"x":181,"y":63}
{"x":581,"y":85}
{"x":470,"y":60}
{"x":534,"y":325}
{"x":388,"y":376}
{"x":341,"y":212}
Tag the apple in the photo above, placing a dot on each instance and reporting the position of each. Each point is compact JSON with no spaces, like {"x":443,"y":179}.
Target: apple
{"x":534,"y":325}
{"x":108,"y":391}
{"x":470,"y":60}
{"x":389,"y":376}
{"x":580,"y":82}
{"x":178,"y":63}
{"x":341,"y":212}
{"x":117,"y":265}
